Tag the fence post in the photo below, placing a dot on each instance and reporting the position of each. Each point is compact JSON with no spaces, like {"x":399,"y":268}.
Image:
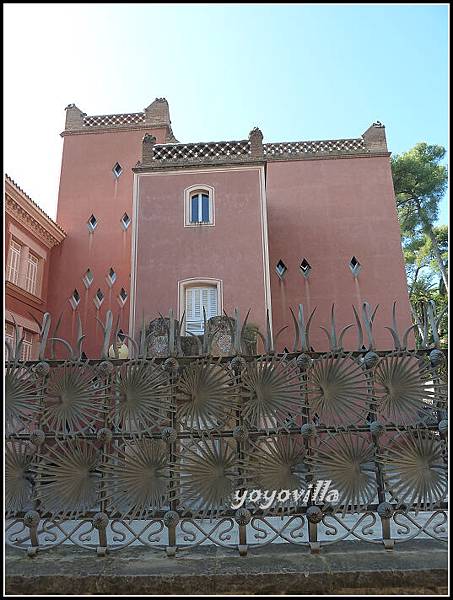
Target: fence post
{"x":107,"y":374}
{"x":242,"y":518}
{"x":31,"y":520}
{"x":314,"y":516}
{"x":100,"y":522}
{"x":384,"y":509}
{"x":240,"y":434}
{"x":171,"y":518}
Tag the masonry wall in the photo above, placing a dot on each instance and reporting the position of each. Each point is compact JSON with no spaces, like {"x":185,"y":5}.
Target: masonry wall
{"x":88,"y":186}
{"x":327,"y":211}
{"x":231,"y":250}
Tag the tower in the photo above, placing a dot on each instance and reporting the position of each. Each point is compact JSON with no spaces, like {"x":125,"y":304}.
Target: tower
{"x":90,"y":273}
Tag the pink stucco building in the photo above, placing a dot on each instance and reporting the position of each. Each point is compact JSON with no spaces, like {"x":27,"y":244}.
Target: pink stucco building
{"x":153,"y":224}
{"x":30,"y":238}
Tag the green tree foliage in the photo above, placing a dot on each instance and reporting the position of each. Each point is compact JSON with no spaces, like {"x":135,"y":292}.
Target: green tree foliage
{"x":420,"y":183}
{"x":423,"y":276}
{"x":421,"y":261}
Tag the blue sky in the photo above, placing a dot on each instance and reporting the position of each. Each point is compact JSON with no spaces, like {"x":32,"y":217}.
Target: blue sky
{"x":299,"y":72}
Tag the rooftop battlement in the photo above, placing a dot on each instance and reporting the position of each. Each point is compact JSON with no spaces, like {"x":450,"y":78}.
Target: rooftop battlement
{"x":372,"y":142}
{"x":156,"y":115}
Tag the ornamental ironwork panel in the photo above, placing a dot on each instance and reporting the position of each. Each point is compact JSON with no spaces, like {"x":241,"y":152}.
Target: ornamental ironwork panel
{"x":236,"y":450}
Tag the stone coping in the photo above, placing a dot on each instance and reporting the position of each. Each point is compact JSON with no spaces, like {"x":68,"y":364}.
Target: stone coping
{"x":414,"y":567}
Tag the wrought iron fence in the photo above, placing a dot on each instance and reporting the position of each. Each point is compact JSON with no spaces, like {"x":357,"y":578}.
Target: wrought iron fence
{"x":240,"y":451}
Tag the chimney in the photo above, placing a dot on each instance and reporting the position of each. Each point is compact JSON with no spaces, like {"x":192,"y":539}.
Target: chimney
{"x":148,"y":149}
{"x":256,"y":143}
{"x":74,"y":117}
{"x":157,"y":114}
{"x":375,"y":139}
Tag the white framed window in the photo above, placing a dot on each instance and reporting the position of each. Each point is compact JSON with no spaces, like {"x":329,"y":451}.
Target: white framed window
{"x":88,"y":278}
{"x":199,"y":206}
{"x":27,"y":345}
{"x":98,"y":299}
{"x":195,"y":299}
{"x":122,"y":297}
{"x":10,"y":337}
{"x":117,"y":169}
{"x":125,"y":221}
{"x":92,"y":223}
{"x":74,"y":300}
{"x":15,"y":250}
{"x":111,"y":277}
{"x":31,"y":278}
{"x":355,"y":266}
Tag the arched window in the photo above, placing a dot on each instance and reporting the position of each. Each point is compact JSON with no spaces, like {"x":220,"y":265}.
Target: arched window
{"x":198,"y":298}
{"x":194,"y":295}
{"x":199,"y":206}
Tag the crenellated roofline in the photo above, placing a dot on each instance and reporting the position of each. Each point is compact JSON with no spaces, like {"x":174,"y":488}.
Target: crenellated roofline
{"x":154,"y":116}
{"x":371,"y":143}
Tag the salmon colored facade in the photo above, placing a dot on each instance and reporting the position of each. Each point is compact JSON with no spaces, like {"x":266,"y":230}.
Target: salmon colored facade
{"x":30,"y":237}
{"x":89,"y":187}
{"x":148,"y":219}
{"x":170,"y":255}
{"x":326,"y":212}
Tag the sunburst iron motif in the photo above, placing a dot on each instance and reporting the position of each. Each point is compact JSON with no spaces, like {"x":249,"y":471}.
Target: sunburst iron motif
{"x":273,"y":393}
{"x":23,"y":393}
{"x":136,"y":478}
{"x":205,"y":396}
{"x":347,"y":460}
{"x":207,"y":472}
{"x":143,"y":397}
{"x":67,"y":482}
{"x":337,"y":391}
{"x":276,"y":463}
{"x":18,"y":477}
{"x":404,"y":389}
{"x":74,"y":399}
{"x":415,"y":469}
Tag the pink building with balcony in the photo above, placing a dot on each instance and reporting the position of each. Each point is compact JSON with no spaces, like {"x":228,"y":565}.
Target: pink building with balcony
{"x":154,"y":224}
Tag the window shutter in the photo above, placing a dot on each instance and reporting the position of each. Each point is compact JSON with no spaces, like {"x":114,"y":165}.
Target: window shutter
{"x":197,"y":304}
{"x":205,"y":302}
{"x":14,"y":262}
{"x":27,"y":345}
{"x":189,"y":308}
{"x":196,"y":299}
{"x":10,"y":336}
{"x":212,"y":303}
{"x":32,"y":272}
{"x":194,"y":319}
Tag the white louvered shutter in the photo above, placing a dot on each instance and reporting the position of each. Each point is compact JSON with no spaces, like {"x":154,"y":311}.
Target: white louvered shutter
{"x":211,"y":307}
{"x":10,"y":336}
{"x":27,"y":345}
{"x":196,"y":299}
{"x":32,"y":274}
{"x":14,"y":262}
